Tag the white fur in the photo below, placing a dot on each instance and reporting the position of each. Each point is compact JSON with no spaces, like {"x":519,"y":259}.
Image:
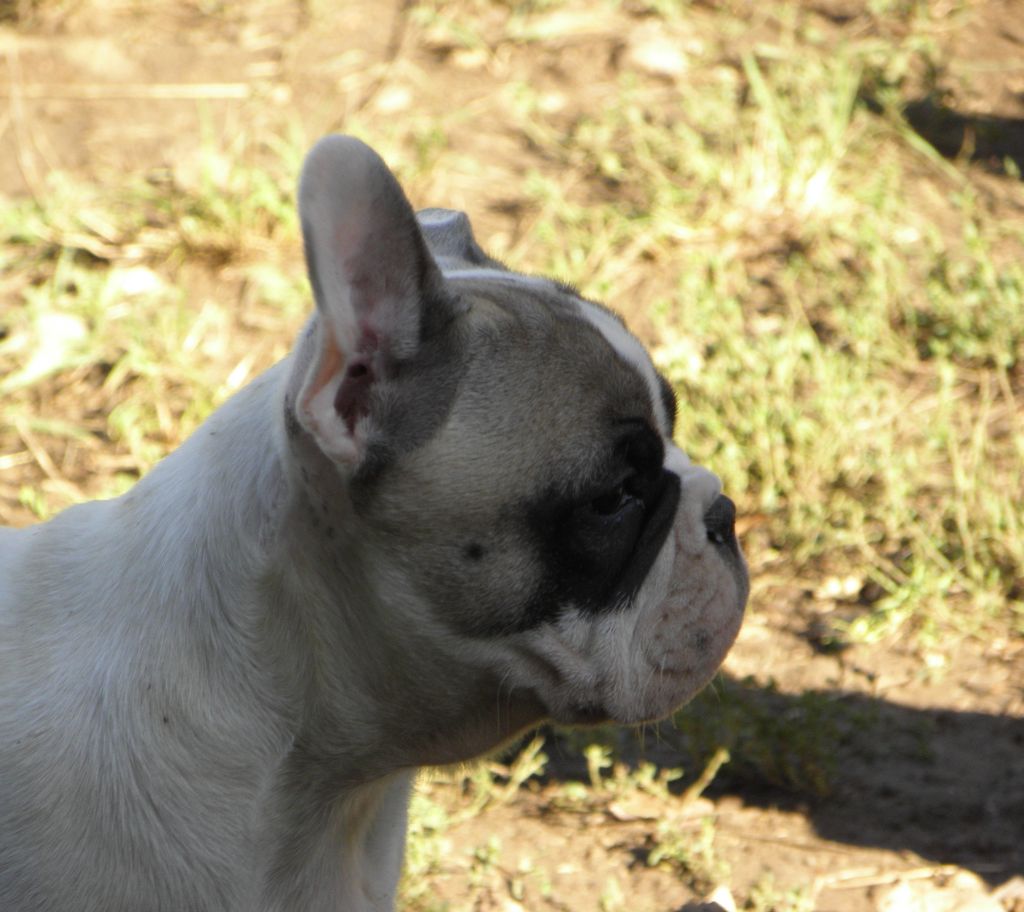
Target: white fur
{"x":154,"y":674}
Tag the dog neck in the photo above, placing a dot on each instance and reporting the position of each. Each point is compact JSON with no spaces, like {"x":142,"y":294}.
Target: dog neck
{"x":339,"y":696}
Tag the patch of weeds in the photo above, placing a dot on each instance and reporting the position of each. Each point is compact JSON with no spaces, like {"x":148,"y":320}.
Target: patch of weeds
{"x":485,"y":860}
{"x":611,"y":779}
{"x":34,"y":500}
{"x":529,"y":879}
{"x":425,"y":850}
{"x":691,"y":854}
{"x":766,"y":896}
{"x":613,"y":898}
{"x":783,"y":741}
{"x":498,"y":783}
{"x":490,"y":782}
{"x":101,"y":320}
{"x":444,"y":31}
{"x":55,"y":326}
{"x":227,"y":210}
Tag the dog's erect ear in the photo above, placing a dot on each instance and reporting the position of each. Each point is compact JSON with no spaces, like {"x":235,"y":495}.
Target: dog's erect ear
{"x":376,"y":286}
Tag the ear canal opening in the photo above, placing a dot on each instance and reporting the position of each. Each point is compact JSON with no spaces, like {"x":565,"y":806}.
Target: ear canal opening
{"x":352,"y":400}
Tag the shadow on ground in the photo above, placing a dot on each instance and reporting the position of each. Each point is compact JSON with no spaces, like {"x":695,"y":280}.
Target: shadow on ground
{"x":946,"y":785}
{"x":988,"y":140}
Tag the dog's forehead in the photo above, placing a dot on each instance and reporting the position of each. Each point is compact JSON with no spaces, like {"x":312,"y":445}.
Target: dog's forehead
{"x":556,"y":308}
{"x":630,"y":351}
{"x":449,"y":235}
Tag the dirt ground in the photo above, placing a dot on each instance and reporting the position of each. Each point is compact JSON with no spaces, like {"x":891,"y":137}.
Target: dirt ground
{"x":928,"y":787}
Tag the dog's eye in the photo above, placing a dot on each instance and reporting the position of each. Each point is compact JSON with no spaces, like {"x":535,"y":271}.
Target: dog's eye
{"x":616,"y":499}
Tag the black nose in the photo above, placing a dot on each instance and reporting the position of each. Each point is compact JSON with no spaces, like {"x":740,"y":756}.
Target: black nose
{"x":720,"y":521}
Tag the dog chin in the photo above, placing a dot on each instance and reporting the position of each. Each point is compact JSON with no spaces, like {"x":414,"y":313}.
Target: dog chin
{"x":650,"y":676}
{"x":589,"y":715}
{"x":628,"y":709}
{"x":584,"y":714}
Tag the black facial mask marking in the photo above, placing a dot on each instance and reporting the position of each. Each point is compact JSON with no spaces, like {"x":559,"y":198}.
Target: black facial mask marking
{"x":599,"y":545}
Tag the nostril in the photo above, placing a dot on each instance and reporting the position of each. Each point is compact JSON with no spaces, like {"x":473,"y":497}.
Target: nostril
{"x":720,"y":520}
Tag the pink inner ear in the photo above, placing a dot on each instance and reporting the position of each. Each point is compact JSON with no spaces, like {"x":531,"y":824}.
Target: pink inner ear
{"x":352,"y":400}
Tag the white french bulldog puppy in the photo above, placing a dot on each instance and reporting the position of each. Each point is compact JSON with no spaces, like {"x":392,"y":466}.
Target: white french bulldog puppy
{"x":454,"y":511}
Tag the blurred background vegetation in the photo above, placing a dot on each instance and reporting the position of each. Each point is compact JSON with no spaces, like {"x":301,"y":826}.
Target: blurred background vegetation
{"x":811,"y":211}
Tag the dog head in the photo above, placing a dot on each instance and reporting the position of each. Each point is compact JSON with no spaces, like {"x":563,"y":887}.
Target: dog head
{"x":503,"y":451}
